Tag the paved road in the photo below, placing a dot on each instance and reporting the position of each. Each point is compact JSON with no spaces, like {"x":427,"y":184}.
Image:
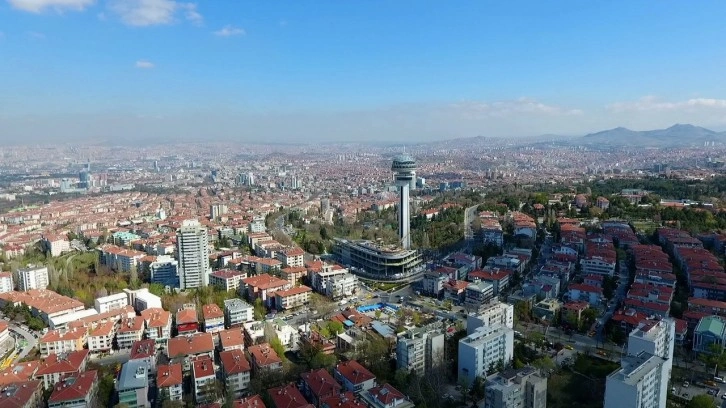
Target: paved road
{"x":29,"y":338}
{"x":469,"y":216}
{"x":120,"y":357}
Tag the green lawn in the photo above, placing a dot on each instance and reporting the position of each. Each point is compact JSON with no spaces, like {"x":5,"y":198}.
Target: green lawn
{"x":581,"y":386}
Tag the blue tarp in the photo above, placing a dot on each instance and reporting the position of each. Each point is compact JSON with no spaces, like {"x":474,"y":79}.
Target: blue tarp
{"x":348,"y":323}
{"x":383,"y":329}
{"x":376,"y":306}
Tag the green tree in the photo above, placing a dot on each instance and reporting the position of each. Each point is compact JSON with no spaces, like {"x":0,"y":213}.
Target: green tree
{"x":701,"y":401}
{"x":259,"y":309}
{"x":478,"y":388}
{"x":544,"y":363}
{"x":609,"y":285}
{"x":713,"y":357}
{"x":276,"y":345}
{"x":335,"y":327}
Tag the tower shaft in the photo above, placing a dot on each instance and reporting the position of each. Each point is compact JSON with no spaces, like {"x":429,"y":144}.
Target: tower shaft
{"x":404,"y":219}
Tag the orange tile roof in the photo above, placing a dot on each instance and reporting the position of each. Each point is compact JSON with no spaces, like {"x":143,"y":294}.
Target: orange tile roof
{"x":168,"y":375}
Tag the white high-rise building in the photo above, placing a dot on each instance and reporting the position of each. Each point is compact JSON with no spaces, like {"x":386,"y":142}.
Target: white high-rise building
{"x":6,"y":282}
{"x":484,"y":349}
{"x":193,"y":253}
{"x":404,"y":167}
{"x":642,"y":380}
{"x":420,"y":349}
{"x":32,"y":277}
{"x":217,"y":210}
{"x":494,"y":313}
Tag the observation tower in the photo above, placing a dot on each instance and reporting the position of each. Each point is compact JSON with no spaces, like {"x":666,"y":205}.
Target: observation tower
{"x":404,"y":169}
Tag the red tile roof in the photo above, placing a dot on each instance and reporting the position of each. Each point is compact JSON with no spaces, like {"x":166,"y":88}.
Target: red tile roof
{"x":186,"y":316}
{"x":190,"y":345}
{"x":202,"y":368}
{"x":66,"y":363}
{"x":234,"y":362}
{"x":354,"y":372}
{"x":287,"y":396}
{"x":143,"y":349}
{"x":344,"y":400}
{"x":18,"y":394}
{"x":254,"y":401}
{"x":212,"y":311}
{"x":386,"y":394}
{"x":320,"y":382}
{"x":73,"y":387}
{"x":264,"y":355}
{"x":576,"y":305}
{"x":156,"y":317}
{"x":19,"y":372}
{"x":265,"y":281}
{"x":168,"y":375}
{"x":293,"y":291}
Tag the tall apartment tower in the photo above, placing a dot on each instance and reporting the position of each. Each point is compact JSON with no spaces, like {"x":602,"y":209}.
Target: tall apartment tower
{"x":420,"y":349}
{"x":642,"y":380}
{"x":404,"y":168}
{"x":192,"y":245}
{"x":493,"y":313}
{"x":483,"y":350}
{"x":32,"y":277}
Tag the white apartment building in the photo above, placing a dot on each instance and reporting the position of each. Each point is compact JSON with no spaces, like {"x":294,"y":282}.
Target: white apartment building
{"x":484,"y":348}
{"x":227,"y":279}
{"x":6,"y":282}
{"x":598,"y":265}
{"x":318,"y":279}
{"x":111,"y":302}
{"x":32,"y":277}
{"x":292,"y":257}
{"x":165,"y":271}
{"x":420,"y":349}
{"x":142,"y":299}
{"x":236,"y":370}
{"x":203,"y":373}
{"x":645,"y":372}
{"x":340,"y":285}
{"x":57,"y":342}
{"x":493,"y":313}
{"x":169,"y":380}
{"x":637,"y":383}
{"x":292,"y":298}
{"x":237,"y":312}
{"x":522,"y":388}
{"x":193,"y":253}
{"x":100,"y":339}
{"x":158,"y":324}
{"x":131,"y":330}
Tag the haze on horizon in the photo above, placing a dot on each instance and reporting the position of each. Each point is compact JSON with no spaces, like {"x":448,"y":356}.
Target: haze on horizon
{"x":405,"y":71}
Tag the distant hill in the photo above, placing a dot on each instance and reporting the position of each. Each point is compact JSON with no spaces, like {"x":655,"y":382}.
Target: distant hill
{"x":675,"y":136}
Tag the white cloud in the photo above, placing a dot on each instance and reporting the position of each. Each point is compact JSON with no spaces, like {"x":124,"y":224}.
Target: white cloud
{"x":143,"y":64}
{"x":474,"y":109}
{"x":653,"y":104}
{"x":37,"y":6}
{"x":229,"y":31}
{"x":191,"y":13}
{"x":143,"y":13}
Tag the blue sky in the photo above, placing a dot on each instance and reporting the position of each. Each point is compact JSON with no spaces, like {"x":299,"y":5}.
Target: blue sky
{"x":352,"y":70}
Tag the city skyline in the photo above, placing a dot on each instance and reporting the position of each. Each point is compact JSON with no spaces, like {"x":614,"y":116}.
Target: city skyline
{"x":404,"y":72}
